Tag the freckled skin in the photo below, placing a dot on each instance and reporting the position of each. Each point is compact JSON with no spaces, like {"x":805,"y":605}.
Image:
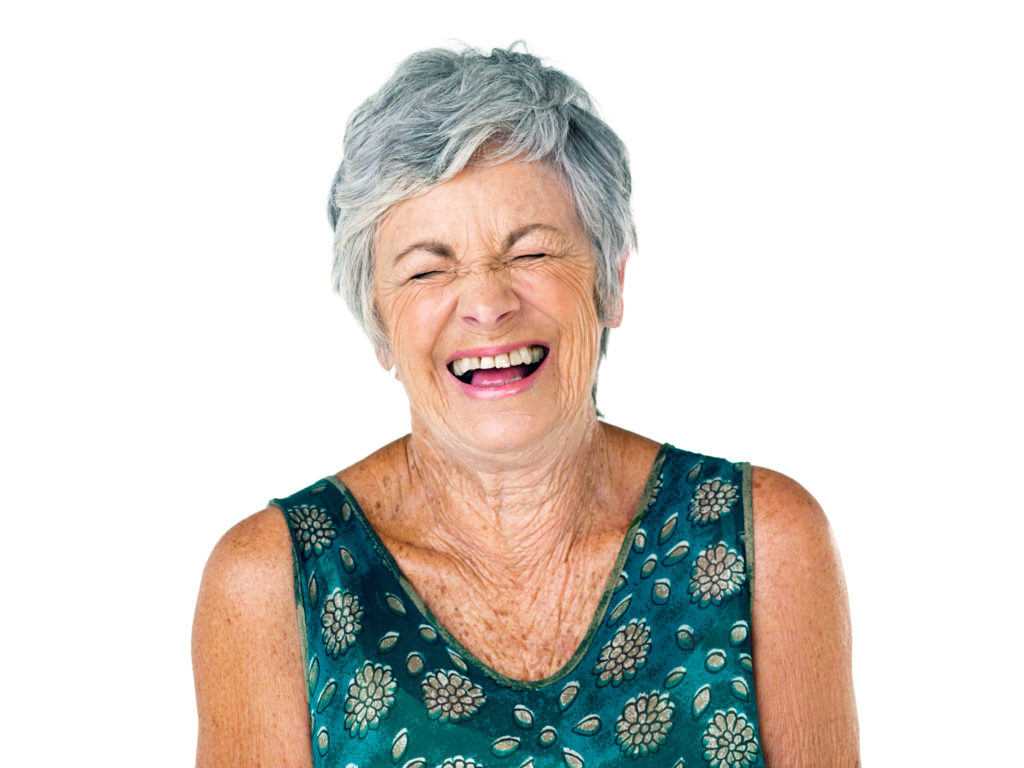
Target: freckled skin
{"x":507,"y":515}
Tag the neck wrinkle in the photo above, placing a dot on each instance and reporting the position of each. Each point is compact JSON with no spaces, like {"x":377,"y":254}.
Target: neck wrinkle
{"x":521,"y":516}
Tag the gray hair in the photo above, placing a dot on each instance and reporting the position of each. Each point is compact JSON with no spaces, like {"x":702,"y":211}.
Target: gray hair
{"x":443,"y":110}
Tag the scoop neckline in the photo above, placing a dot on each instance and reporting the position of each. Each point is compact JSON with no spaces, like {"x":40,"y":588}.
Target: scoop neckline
{"x":453,"y":642}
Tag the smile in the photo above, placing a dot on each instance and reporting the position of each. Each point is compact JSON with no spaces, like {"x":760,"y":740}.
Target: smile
{"x":498,"y":370}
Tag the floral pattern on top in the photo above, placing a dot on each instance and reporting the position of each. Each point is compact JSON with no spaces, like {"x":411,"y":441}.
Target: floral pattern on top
{"x":718,"y":573}
{"x":341,"y":621}
{"x":387,"y":684}
{"x":712,"y":499}
{"x":644,"y":723}
{"x":729,"y":740}
{"x":311,"y":528}
{"x":370,"y":698}
{"x":624,"y":654}
{"x":447,"y":695}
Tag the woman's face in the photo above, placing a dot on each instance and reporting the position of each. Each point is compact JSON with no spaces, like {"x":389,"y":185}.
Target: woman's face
{"x":485,"y":286}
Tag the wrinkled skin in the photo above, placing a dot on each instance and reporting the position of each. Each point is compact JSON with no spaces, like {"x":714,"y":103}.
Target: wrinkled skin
{"x":466,"y":287}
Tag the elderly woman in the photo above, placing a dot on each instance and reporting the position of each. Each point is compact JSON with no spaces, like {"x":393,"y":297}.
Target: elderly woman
{"x":514,"y":582}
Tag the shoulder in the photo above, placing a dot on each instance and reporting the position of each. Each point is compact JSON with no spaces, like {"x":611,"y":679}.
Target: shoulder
{"x":788,"y":521}
{"x":246,"y":638}
{"x":250,"y":557}
{"x":801,"y":629}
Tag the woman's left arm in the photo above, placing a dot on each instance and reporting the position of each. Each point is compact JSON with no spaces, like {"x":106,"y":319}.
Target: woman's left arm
{"x":801,"y":631}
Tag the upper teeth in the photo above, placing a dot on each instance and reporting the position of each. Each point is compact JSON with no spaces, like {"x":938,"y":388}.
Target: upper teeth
{"x":515,"y":357}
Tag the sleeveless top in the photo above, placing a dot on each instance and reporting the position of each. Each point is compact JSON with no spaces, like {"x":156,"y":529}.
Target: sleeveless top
{"x":663,"y":676}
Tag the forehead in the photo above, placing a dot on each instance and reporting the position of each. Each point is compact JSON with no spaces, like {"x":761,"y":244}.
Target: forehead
{"x":482,"y":202}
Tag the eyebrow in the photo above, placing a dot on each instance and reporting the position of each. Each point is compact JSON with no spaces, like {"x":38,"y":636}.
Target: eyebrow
{"x":431,"y":246}
{"x":440,"y":249}
{"x":522,"y":232}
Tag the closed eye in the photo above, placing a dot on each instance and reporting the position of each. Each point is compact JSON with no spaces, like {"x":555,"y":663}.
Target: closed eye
{"x":528,"y":256}
{"x":425,"y":275}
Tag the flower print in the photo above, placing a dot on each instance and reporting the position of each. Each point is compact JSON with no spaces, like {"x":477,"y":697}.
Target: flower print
{"x":624,"y":654}
{"x":370,"y":697}
{"x":312,"y":528}
{"x":450,"y":696}
{"x":644,"y":723}
{"x":460,"y":762}
{"x":712,"y":499}
{"x":718,"y":573}
{"x":341,"y":621}
{"x":729,"y":740}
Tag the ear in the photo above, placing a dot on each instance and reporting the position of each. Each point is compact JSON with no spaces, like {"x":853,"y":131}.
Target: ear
{"x":614,"y":314}
{"x":384,"y":358}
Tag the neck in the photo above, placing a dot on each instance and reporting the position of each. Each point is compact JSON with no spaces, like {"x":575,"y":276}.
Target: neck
{"x":519,"y":510}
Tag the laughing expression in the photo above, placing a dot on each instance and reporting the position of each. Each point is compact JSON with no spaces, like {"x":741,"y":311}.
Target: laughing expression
{"x":485,"y":289}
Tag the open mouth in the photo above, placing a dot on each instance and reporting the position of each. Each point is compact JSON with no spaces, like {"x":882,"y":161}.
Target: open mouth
{"x":500,"y":369}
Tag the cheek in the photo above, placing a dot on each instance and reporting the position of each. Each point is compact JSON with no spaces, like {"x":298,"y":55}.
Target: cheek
{"x":413,"y":321}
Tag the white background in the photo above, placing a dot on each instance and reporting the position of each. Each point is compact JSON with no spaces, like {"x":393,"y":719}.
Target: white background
{"x":829,"y":201}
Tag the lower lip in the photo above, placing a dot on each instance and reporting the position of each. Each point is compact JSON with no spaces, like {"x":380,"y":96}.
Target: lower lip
{"x":503,"y":390}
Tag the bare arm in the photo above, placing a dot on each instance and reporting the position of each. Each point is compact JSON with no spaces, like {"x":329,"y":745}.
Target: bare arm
{"x":801,"y":632}
{"x":247,"y":653}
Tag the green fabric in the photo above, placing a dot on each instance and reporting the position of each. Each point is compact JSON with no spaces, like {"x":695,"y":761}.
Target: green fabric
{"x":664,"y":674}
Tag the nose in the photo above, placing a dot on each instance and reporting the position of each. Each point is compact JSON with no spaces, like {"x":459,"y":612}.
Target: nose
{"x":487,"y":300}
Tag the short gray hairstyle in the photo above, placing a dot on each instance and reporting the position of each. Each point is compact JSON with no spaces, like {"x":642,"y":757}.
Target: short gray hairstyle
{"x":443,"y":110}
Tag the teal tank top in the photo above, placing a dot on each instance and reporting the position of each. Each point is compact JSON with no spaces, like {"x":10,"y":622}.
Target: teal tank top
{"x":664,"y":675}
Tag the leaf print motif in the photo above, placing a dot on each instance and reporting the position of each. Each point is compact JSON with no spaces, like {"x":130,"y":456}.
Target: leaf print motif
{"x":523,"y":716}
{"x":701,"y":699}
{"x":414,"y":663}
{"x":644,"y":723}
{"x":718,"y":573}
{"x":326,"y":695}
{"x":685,"y":638}
{"x":648,"y":567}
{"x":738,"y":633}
{"x":395,"y":604}
{"x":505,"y":746}
{"x":399,"y":745}
{"x":312,"y":529}
{"x":666,"y":530}
{"x":712,"y":499}
{"x":323,"y":741}
{"x":677,"y":553}
{"x":341,"y":620}
{"x":568,"y":695}
{"x":447,"y":695}
{"x":370,"y":698}
{"x":729,"y":740}
{"x":347,"y":561}
{"x":314,"y":674}
{"x":572,"y":759}
{"x":640,"y":540}
{"x":588,"y":726}
{"x":715,"y":660}
{"x":740,"y":689}
{"x":675,"y":677}
{"x":661,"y":591}
{"x":624,"y":654}
{"x":548,"y":736}
{"x":388,"y":641}
{"x":619,"y":609}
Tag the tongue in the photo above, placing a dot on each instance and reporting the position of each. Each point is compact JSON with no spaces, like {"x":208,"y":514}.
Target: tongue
{"x":495,"y":377}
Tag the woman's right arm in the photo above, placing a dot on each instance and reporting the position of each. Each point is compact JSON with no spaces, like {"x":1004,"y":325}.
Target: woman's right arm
{"x":247,"y":652}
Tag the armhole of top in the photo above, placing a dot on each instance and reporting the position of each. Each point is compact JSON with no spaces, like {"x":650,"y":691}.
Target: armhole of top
{"x":748,"y":525}
{"x":298,"y":588}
